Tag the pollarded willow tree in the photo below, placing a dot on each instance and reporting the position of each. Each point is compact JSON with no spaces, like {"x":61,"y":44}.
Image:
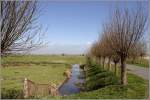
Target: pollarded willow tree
{"x":101,"y":50}
{"x":123,"y":31}
{"x":19,"y":29}
{"x":115,"y":59}
{"x":107,"y":51}
{"x":94,"y":51}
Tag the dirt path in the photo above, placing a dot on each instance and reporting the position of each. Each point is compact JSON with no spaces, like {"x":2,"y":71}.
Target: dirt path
{"x":139,"y":71}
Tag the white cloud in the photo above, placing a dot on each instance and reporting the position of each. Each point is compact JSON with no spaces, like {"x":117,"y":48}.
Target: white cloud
{"x":89,"y":43}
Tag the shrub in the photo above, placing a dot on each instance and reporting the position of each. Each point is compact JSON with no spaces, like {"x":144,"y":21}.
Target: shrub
{"x":109,"y":80}
{"x":94,"y":70}
{"x":97,"y":77}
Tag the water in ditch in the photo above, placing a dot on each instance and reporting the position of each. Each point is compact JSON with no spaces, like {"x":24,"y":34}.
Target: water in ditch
{"x":71,"y":87}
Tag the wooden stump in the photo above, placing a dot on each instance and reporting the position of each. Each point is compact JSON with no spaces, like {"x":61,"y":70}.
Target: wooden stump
{"x":25,"y":89}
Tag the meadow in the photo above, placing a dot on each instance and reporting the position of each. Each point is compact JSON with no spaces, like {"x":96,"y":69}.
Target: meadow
{"x":38,"y":68}
{"x":50,"y":68}
{"x":41,"y":59}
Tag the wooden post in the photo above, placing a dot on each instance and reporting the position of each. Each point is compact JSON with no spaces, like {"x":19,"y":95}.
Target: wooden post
{"x":25,"y":89}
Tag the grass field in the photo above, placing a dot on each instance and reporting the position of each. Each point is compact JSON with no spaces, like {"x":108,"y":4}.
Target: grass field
{"x":139,"y":62}
{"x":14,"y":76}
{"x":40,"y":69}
{"x":41,"y":59}
{"x":45,"y":69}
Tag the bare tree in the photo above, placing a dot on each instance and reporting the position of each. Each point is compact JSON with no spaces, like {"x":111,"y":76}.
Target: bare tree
{"x":123,"y":31}
{"x":19,"y":29}
{"x":115,"y":59}
{"x":94,"y":52}
{"x":101,"y":51}
{"x":107,"y":51}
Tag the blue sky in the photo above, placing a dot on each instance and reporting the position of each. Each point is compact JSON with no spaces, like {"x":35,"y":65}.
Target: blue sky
{"x":73,"y":26}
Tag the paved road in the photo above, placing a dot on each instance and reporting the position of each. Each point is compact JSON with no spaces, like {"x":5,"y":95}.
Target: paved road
{"x":139,"y":71}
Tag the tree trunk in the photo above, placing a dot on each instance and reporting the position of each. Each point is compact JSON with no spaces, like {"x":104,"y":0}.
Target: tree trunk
{"x":109,"y":63}
{"x":141,"y":60}
{"x":123,"y":71}
{"x":132,"y":61}
{"x":115,"y":68}
{"x":99,"y":60}
{"x":104,"y":62}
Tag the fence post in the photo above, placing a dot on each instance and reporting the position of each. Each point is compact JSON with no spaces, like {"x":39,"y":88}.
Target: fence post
{"x":25,"y":89}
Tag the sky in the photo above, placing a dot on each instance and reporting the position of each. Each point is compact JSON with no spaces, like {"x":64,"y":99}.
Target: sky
{"x":73,"y":26}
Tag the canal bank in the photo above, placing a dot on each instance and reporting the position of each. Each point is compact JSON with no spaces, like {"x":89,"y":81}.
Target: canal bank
{"x":70,"y":86}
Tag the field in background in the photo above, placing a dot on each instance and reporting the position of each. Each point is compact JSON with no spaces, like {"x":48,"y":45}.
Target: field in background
{"x":139,"y":62}
{"x":38,"y":68}
{"x":42,"y":59}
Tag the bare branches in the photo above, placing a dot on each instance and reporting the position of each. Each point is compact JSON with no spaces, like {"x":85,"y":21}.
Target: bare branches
{"x":121,"y":37}
{"x":18,"y":28}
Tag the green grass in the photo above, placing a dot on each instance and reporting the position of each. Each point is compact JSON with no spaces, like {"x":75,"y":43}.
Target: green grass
{"x":45,"y":69}
{"x":38,"y":68}
{"x":139,"y":62}
{"x":40,"y":74}
{"x":137,"y":88}
{"x":42,"y":59}
{"x":102,"y":77}
{"x":13,"y":76}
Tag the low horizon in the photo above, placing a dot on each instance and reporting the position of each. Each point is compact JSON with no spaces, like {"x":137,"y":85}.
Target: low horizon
{"x":74,"y":50}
